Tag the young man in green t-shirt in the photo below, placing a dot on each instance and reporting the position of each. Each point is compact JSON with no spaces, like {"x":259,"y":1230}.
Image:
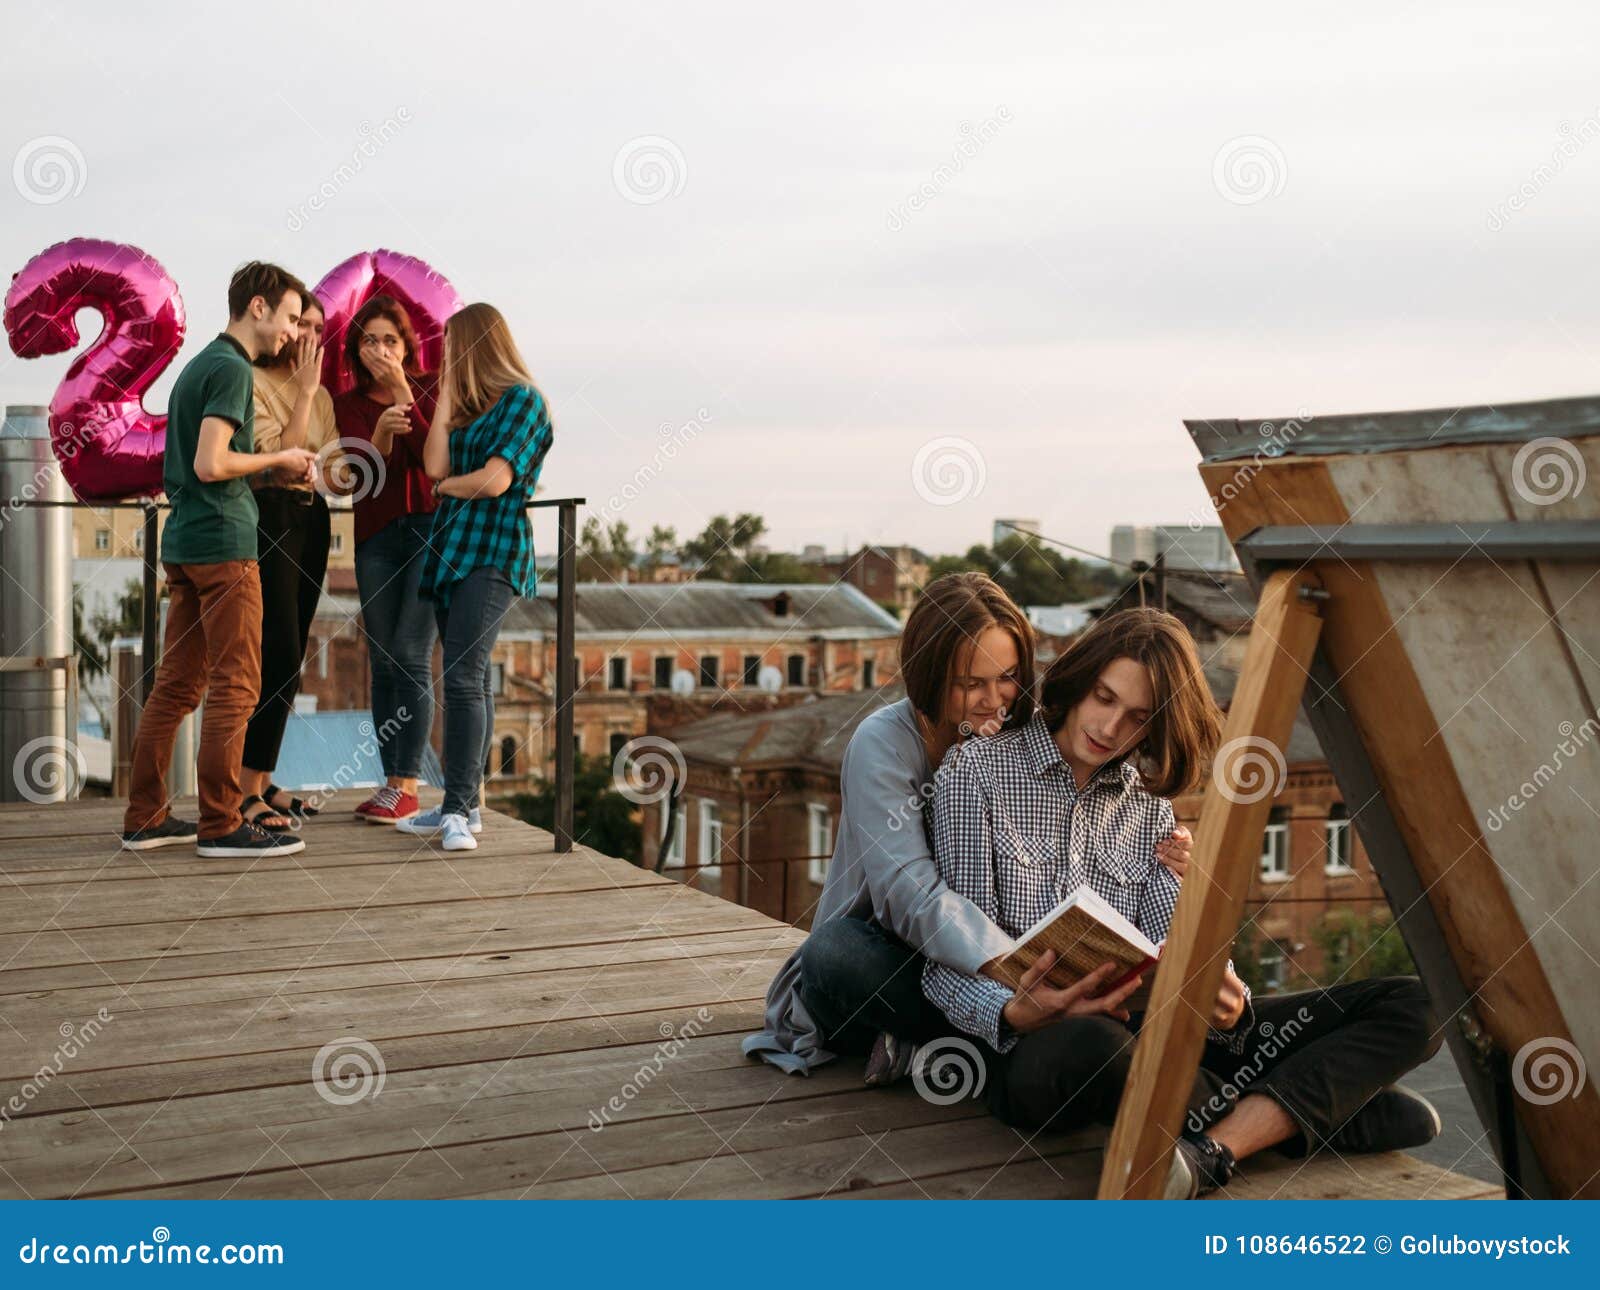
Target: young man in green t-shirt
{"x":208,"y":548}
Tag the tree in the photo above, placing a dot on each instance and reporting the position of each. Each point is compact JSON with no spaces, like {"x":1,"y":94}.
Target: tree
{"x":91,"y":639}
{"x":605,"y":552}
{"x":725,"y":552}
{"x":661,"y":543}
{"x":1356,"y":946}
{"x":602,"y":817}
{"x":1031,"y":572}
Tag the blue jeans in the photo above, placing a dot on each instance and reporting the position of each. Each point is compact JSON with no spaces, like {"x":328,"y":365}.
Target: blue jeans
{"x":857,"y":980}
{"x":468,"y":627}
{"x":400,"y":635}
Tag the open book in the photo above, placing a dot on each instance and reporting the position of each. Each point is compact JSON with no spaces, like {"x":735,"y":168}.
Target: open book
{"x":1084,"y":931}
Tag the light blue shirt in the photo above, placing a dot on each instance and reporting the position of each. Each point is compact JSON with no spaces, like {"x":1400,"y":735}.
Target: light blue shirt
{"x":882,"y":869}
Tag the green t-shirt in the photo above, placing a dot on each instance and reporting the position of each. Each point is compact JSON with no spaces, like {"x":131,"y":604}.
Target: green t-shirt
{"x":209,"y":523}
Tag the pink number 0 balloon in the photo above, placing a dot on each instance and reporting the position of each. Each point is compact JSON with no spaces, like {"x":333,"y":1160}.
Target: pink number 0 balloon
{"x":424,"y":293}
{"x":109,"y":447}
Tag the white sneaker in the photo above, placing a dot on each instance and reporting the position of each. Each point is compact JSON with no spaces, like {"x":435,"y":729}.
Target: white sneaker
{"x":458,"y":834}
{"x":429,"y":822}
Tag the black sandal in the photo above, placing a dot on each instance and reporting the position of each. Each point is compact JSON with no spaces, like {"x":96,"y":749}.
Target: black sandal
{"x":260,"y":820}
{"x":297,"y":806}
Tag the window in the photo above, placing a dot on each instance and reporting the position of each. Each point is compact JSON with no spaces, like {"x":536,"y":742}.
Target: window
{"x":1275,"y":847}
{"x":869,"y":673}
{"x":1336,"y":833}
{"x":663,"y":677}
{"x":336,"y":544}
{"x":797,"y":669}
{"x":508,"y":755}
{"x":138,"y":539}
{"x":1272,"y":966}
{"x":497,"y":677}
{"x":319,"y":650}
{"x":617,"y":673}
{"x":673,"y":859}
{"x":708,"y":670}
{"x":619,"y":741}
{"x":577,"y":748}
{"x":752,"y":669}
{"x":710,"y":852}
{"x":819,"y":841}
{"x":102,"y":539}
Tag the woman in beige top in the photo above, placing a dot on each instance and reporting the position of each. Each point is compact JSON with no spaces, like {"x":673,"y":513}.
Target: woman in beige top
{"x":292,"y":410}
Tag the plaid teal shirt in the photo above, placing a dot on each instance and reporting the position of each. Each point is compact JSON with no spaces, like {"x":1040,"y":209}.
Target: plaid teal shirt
{"x":490,"y":531}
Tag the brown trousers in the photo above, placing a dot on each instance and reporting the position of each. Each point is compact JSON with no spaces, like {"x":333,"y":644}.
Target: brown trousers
{"x":212,"y":649}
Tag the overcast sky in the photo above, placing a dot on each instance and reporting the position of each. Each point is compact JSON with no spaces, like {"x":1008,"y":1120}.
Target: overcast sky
{"x":861,"y":237}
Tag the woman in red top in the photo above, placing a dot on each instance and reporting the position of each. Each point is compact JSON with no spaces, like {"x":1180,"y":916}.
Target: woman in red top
{"x":390,"y":409}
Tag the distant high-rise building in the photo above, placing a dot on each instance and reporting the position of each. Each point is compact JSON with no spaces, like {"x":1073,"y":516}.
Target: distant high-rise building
{"x":1204,"y":548}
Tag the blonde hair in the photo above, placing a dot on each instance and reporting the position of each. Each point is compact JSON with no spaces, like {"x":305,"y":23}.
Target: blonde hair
{"x":481,"y":362}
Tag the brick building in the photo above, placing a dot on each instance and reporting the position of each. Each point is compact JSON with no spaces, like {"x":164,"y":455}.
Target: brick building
{"x":651,"y":657}
{"x":890,"y":576}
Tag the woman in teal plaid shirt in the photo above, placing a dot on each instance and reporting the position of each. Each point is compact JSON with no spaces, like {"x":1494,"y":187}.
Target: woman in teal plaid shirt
{"x":487,"y":442}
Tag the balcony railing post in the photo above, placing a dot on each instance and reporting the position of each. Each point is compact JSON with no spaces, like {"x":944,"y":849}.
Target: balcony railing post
{"x":147,"y":664}
{"x":566,"y":613}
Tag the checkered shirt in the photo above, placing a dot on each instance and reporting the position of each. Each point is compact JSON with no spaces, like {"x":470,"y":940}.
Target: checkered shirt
{"x":1014,"y":834}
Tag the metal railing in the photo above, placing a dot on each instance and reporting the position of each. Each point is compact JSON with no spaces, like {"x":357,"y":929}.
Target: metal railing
{"x":566,"y":615}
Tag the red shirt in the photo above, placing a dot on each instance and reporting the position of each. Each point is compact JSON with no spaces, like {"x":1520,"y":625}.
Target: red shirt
{"x":406,"y":488}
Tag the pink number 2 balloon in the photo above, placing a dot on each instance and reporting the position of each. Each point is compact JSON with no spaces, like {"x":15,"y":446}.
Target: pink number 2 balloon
{"x":109,"y":447}
{"x":424,"y":293}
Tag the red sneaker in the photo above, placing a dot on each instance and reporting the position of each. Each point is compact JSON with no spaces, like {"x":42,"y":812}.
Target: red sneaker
{"x":389,"y":806}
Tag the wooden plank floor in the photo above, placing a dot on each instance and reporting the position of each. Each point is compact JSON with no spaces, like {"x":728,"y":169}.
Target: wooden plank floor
{"x":544,"y":1026}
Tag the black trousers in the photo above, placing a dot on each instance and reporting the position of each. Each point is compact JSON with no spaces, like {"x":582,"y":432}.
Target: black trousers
{"x":292,"y":537}
{"x":1320,"y":1054}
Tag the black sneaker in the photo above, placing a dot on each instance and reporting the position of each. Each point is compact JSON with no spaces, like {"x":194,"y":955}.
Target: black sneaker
{"x":248,"y":841}
{"x":1199,"y":1166}
{"x":170,"y":830}
{"x":1393,"y":1119}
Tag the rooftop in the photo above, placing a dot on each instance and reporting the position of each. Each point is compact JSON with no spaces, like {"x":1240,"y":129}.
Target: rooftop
{"x":372,"y":1018}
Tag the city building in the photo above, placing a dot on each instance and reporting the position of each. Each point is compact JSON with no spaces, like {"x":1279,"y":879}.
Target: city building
{"x":1185,"y":547}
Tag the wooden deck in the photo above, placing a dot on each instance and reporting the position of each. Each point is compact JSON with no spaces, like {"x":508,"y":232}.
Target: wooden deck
{"x":509,"y":994}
